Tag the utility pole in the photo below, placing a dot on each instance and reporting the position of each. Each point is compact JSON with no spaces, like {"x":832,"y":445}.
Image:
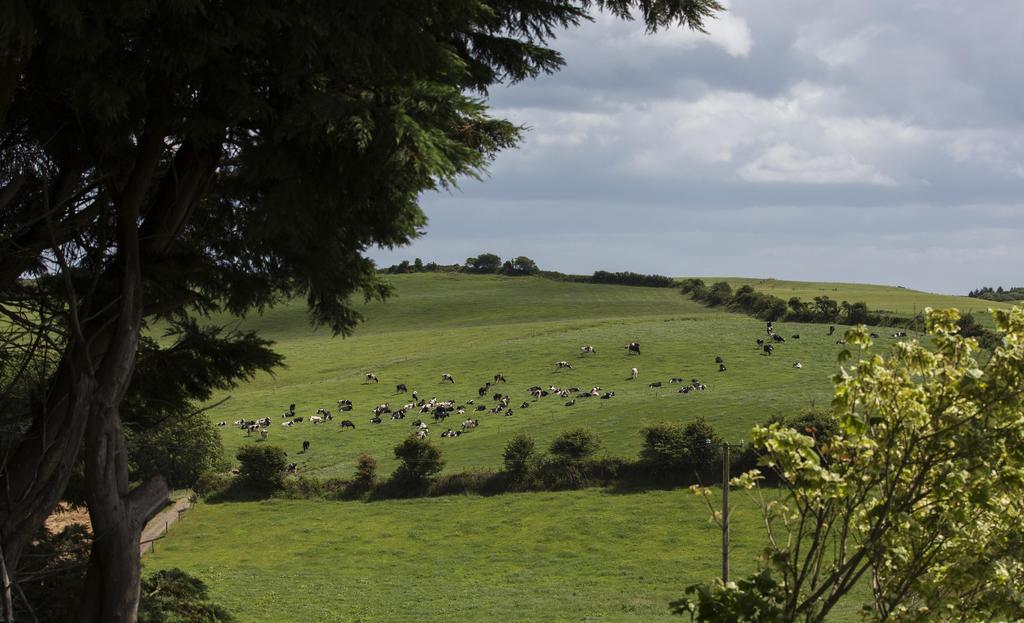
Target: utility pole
{"x":726,"y":447}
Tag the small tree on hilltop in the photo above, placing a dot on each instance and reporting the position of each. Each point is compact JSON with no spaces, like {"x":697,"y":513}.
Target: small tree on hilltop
{"x":916,"y":496}
{"x":519,"y":266}
{"x":485,"y":263}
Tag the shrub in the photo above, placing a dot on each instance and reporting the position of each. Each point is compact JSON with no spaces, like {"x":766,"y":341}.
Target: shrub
{"x":210,"y":483}
{"x":365,"y":478}
{"x":671,"y":448}
{"x":575,"y":445}
{"x":519,"y":452}
{"x":262,"y":467}
{"x":419,"y":461}
{"x":633,"y":279}
{"x":476,"y":481}
{"x":173,"y":596}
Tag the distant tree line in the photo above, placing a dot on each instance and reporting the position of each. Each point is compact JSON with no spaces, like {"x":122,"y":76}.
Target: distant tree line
{"x":768,"y":307}
{"x":492,"y":264}
{"x":999,"y":294}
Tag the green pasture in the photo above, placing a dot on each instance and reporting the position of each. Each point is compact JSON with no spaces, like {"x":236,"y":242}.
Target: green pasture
{"x":475,"y":326}
{"x":895,"y":300}
{"x":570,"y":556}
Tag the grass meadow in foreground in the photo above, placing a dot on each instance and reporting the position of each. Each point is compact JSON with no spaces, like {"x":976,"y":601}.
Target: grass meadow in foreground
{"x":569,"y":556}
{"x":475,"y":326}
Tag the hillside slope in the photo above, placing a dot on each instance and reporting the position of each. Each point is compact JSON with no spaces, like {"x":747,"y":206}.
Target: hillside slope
{"x":475,"y":326}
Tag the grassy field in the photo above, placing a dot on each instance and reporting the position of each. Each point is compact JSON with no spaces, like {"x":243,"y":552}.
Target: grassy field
{"x":473,"y":327}
{"x":581,"y":556}
{"x":570,"y":556}
{"x":896,"y":300}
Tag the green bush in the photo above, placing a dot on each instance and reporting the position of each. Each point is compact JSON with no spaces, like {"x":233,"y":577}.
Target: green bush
{"x":672,"y":449}
{"x":365,"y":478}
{"x":262,"y":467}
{"x":575,"y":445}
{"x":519,"y":453}
{"x":419,"y":460}
{"x":173,"y":596}
{"x":210,"y":483}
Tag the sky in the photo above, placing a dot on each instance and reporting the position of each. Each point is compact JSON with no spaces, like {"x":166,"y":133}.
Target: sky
{"x":826,"y":140}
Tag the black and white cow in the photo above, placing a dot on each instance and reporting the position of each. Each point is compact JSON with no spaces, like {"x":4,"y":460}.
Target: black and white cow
{"x":633,"y":347}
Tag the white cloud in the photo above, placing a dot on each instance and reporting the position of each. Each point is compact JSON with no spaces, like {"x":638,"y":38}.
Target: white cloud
{"x":785,"y":163}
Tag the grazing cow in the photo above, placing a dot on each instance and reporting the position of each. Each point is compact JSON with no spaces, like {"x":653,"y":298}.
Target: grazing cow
{"x":900,"y":334}
{"x":375,"y":420}
{"x":760,"y":342}
{"x":291,"y":407}
{"x":508,"y":413}
{"x":633,"y":347}
{"x":770,"y":329}
{"x":292,"y":467}
{"x":371,"y":378}
{"x":831,"y":330}
{"x":263,"y":434}
{"x":305,"y":446}
{"x":222,"y":423}
{"x":482,"y":391}
{"x":796,"y":336}
{"x":634,"y":373}
{"x":315,"y":419}
{"x":499,"y":378}
{"x":447,"y":378}
{"x":470,"y":424}
{"x":798,"y":365}
{"x":400,"y":388}
{"x":571,"y":402}
{"x":525,"y":405}
{"x":348,"y":424}
{"x":768,"y":348}
{"x":675,"y":379}
{"x":588,"y":350}
{"x":297,"y":419}
{"x":778,"y":338}
{"x":440,"y":414}
{"x":655,"y":384}
{"x":422,"y":433}
{"x":563,"y":365}
{"x":481,"y":407}
{"x":721,"y":367}
{"x":874,"y":336}
{"x":718,"y":359}
{"x":287,"y":423}
{"x":840,"y":341}
{"x":344,"y":405}
{"x":607,"y":395}
{"x":415,"y":397}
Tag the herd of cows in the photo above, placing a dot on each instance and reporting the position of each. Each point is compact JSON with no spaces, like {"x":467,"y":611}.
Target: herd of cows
{"x":498,"y":402}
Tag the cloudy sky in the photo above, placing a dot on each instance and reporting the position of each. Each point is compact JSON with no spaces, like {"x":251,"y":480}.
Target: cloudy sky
{"x":870,"y":141}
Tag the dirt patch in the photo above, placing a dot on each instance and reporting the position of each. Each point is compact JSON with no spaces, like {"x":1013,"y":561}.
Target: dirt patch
{"x":65,"y":515}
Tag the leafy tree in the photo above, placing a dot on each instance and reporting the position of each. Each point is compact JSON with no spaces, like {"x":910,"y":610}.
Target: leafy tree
{"x":261,"y":467}
{"x":160,"y":161}
{"x":417,"y":265}
{"x":918,"y":494}
{"x":173,"y":596}
{"x":519,"y":452}
{"x":825,"y":309}
{"x":180,"y":449}
{"x":670,"y":447}
{"x":521,"y":265}
{"x":419,"y":460}
{"x":575,"y":445}
{"x":485,"y":263}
